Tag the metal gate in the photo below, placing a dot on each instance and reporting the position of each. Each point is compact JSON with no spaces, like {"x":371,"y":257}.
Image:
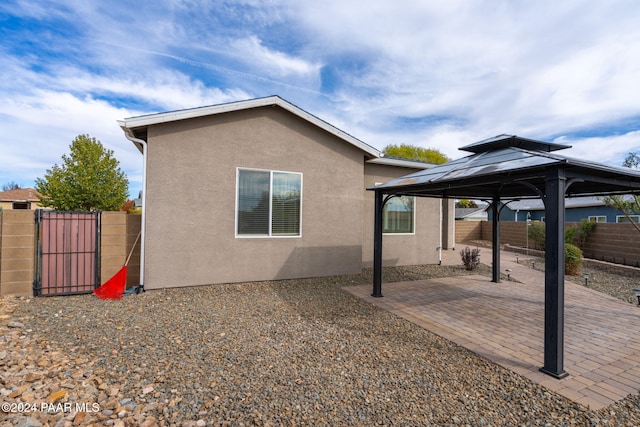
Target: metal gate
{"x":67,"y":253}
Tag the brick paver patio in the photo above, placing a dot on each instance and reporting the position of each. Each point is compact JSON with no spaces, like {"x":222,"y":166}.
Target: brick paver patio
{"x":504,"y":322}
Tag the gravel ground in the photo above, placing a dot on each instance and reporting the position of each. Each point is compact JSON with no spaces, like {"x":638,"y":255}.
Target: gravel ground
{"x":293,"y":353}
{"x":617,"y":285}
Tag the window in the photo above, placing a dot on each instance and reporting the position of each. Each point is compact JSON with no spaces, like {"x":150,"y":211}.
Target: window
{"x":622,"y":218}
{"x":598,"y":218}
{"x":21,"y":205}
{"x":398,"y":215}
{"x":268,"y":203}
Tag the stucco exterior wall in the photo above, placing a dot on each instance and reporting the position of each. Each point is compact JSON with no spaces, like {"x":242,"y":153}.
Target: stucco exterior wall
{"x":191,"y":198}
{"x":8,"y":206}
{"x":401,"y":249}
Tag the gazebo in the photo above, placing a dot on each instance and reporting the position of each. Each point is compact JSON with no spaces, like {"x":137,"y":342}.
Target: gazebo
{"x":505,"y":168}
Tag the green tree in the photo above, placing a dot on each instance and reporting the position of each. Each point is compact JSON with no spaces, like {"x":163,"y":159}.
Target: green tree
{"x":412,"y":152}
{"x":89,"y":179}
{"x":628,"y":205}
{"x":466,"y":203}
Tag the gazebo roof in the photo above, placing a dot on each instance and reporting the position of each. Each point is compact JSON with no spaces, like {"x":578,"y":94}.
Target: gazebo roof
{"x":510,"y":167}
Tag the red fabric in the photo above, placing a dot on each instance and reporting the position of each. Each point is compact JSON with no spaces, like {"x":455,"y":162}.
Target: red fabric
{"x":113,"y":288}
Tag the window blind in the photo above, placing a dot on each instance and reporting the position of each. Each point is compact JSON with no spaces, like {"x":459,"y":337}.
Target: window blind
{"x":269,"y":203}
{"x":253,"y":202}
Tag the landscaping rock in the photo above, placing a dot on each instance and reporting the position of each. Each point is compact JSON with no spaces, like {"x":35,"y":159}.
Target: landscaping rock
{"x":296,"y":352}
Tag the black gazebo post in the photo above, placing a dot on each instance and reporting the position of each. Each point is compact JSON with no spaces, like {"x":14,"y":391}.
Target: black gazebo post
{"x":555,"y":186}
{"x":377,"y":245}
{"x":495,"y":234}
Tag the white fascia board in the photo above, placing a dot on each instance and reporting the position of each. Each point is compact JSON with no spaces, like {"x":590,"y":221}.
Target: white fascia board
{"x":190,"y":113}
{"x":401,"y":163}
{"x":171,"y":116}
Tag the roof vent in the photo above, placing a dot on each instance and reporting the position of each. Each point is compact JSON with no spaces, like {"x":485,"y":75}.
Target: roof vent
{"x":504,"y":141}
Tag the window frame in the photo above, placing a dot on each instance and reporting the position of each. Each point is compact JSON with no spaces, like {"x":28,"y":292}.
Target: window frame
{"x":626,"y":220}
{"x":391,"y":233}
{"x":270,"y":235}
{"x":596,"y":219}
{"x":21,"y":205}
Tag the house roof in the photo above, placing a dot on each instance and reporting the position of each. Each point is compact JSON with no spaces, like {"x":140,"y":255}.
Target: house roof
{"x":469,"y":212}
{"x":136,"y":126}
{"x":570,"y":202}
{"x":401,"y":162}
{"x":504,"y":141}
{"x":20,"y":195}
{"x":513,"y":168}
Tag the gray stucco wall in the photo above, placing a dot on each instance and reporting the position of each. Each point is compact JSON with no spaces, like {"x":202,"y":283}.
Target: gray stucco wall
{"x":191,"y":192}
{"x":401,"y":249}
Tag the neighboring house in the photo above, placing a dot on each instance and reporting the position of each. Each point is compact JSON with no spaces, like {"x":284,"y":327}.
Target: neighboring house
{"x":576,"y":209}
{"x":22,"y":198}
{"x":285,"y":198}
{"x":471,"y":214}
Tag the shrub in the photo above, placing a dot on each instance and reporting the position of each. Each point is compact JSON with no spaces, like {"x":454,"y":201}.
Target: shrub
{"x":470,"y":258}
{"x":572,"y":259}
{"x":577,"y":234}
{"x":586,"y":227}
{"x":535,"y":230}
{"x":572,"y":235}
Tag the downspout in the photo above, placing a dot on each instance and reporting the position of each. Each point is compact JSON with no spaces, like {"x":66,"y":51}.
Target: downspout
{"x":143,"y":221}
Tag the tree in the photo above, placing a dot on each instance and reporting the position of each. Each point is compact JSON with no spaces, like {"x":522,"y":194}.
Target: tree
{"x":407,"y":151}
{"x":466,"y":203}
{"x":628,"y":205}
{"x":11,"y":186}
{"x":89,"y":179}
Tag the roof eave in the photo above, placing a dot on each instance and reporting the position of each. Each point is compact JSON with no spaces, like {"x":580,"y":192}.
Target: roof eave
{"x":133,"y":123}
{"x":405,"y":163}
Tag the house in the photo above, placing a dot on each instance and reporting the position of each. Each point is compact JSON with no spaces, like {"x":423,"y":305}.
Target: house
{"x":471,"y":214}
{"x":286,"y":198}
{"x":21,"y":198}
{"x":591,"y":208}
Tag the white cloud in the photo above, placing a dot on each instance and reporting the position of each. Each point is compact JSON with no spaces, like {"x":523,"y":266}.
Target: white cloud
{"x":610,"y":150}
{"x":534,"y":69}
{"x":64,"y":116}
{"x":270,"y":61}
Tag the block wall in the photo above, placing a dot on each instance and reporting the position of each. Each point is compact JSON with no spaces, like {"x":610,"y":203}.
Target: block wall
{"x":17,"y":240}
{"x":17,"y":249}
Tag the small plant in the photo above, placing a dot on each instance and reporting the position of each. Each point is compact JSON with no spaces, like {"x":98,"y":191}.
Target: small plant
{"x":572,"y":259}
{"x":536,"y":233}
{"x":470,"y":258}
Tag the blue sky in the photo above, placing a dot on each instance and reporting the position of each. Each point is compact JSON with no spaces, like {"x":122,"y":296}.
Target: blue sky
{"x":429,"y":73}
